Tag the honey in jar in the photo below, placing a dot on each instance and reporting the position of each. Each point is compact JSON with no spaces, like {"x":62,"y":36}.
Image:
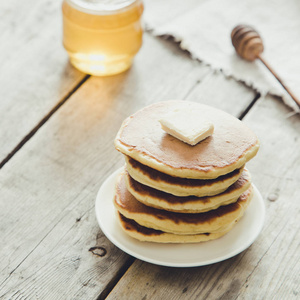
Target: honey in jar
{"x":102,"y":36}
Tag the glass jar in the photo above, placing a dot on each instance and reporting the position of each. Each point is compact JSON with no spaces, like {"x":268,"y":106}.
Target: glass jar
{"x":102,"y":36}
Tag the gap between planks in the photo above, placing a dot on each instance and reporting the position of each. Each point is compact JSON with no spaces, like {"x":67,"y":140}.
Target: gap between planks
{"x":251,"y":104}
{"x":114,"y":281}
{"x":28,"y":136}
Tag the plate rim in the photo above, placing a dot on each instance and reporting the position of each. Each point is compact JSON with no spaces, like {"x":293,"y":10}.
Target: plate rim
{"x":113,"y":176}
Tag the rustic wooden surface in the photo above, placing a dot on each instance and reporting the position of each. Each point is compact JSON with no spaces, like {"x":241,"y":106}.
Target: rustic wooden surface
{"x":57,"y":127}
{"x":35,"y":76}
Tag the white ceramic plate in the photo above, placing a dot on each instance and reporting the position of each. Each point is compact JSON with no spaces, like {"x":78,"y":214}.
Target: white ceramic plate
{"x":179,"y":255}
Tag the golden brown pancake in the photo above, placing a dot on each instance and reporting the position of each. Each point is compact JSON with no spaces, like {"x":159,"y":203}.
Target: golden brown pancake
{"x":212,"y":221}
{"x":180,"y":186}
{"x":229,"y":148}
{"x":190,"y":204}
{"x":145,"y":234}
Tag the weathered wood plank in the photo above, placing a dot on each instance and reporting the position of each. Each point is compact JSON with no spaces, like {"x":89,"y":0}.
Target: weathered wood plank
{"x":49,"y":187}
{"x":223,"y":93}
{"x":276,"y":173}
{"x":269,"y":269}
{"x":35,"y":73}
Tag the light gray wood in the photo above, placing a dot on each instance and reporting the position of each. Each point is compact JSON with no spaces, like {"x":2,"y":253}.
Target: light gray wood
{"x":269,"y":269}
{"x":35,"y":72}
{"x":49,"y":187}
{"x":223,"y":93}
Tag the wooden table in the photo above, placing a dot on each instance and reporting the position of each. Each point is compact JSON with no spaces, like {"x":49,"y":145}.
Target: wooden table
{"x":57,"y":130}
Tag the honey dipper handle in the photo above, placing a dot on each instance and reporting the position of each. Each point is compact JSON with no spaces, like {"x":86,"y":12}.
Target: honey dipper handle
{"x":279,"y":80}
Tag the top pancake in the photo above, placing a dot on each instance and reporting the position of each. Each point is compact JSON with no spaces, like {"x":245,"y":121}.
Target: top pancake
{"x":230,"y":147}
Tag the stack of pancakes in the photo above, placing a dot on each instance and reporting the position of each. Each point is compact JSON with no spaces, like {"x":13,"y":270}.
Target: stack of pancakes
{"x":172,"y":192}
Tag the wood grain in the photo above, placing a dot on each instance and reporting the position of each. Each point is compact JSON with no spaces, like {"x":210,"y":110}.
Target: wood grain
{"x":269,"y":269}
{"x":223,"y":93}
{"x":35,"y":73}
{"x":48,"y":222}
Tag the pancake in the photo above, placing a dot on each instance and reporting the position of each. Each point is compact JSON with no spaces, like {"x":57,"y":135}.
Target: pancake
{"x":180,"y":186}
{"x":145,"y":234}
{"x":190,"y":204}
{"x":212,"y":221}
{"x":229,"y":148}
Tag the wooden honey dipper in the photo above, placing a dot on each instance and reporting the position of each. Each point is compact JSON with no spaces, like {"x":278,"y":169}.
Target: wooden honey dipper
{"x":249,"y":45}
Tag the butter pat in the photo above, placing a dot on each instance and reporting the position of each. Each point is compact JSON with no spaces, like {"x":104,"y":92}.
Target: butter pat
{"x":187,"y":126}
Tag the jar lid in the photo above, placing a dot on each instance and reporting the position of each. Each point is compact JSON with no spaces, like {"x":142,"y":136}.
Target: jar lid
{"x":103,"y":7}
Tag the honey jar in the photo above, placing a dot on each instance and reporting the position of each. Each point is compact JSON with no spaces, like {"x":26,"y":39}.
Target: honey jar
{"x":102,"y":36}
